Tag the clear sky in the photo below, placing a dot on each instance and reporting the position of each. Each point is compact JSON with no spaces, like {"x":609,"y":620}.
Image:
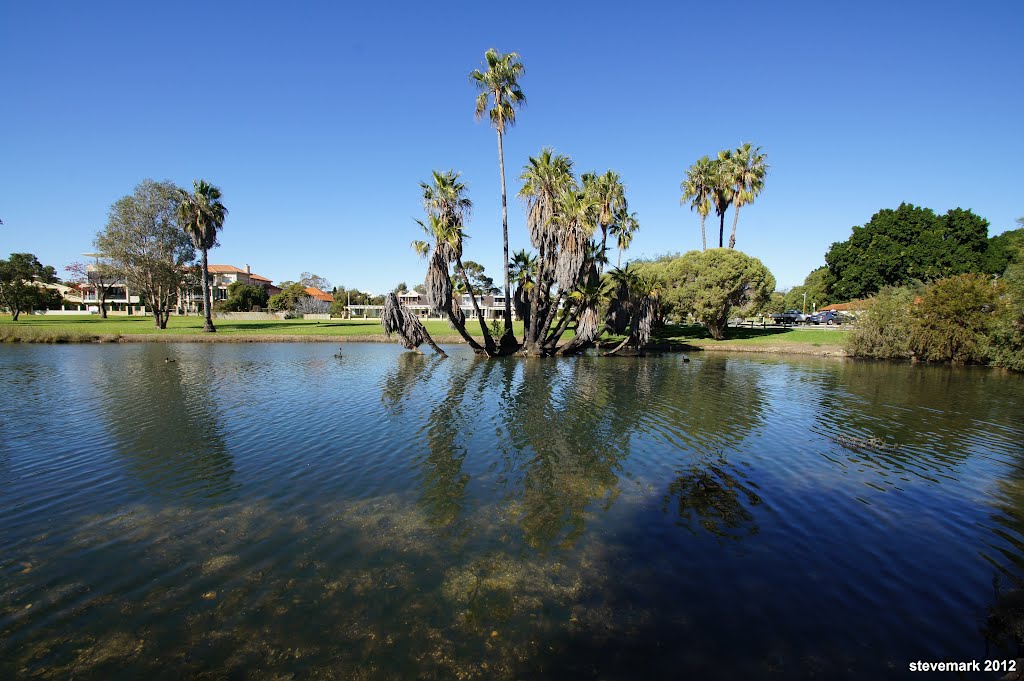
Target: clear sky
{"x":317,"y":120}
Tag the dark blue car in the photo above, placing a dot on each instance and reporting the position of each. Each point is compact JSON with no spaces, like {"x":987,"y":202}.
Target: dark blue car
{"x":827,"y":317}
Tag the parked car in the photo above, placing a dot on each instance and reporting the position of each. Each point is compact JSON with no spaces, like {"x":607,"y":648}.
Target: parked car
{"x":789,"y":317}
{"x":827,"y":317}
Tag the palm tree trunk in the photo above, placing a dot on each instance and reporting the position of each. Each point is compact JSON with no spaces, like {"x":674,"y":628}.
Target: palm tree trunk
{"x":207,"y":295}
{"x":604,"y":241}
{"x":504,"y":235}
{"x":735,"y":219}
{"x":721,"y":229}
{"x":703,"y":234}
{"x":488,"y":341}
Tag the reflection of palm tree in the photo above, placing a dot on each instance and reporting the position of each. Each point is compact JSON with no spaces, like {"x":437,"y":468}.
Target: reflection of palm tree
{"x":443,"y":481}
{"x":410,"y":369}
{"x":714,"y":498}
{"x":164,"y":420}
{"x":567,"y":437}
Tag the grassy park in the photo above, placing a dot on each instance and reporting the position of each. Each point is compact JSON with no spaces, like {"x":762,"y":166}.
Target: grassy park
{"x":91,"y":328}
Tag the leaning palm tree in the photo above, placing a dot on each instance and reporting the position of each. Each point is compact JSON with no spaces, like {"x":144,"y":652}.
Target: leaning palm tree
{"x":697,"y":189}
{"x":446,"y":204}
{"x":201,"y":215}
{"x":499,"y":84}
{"x":748,"y":169}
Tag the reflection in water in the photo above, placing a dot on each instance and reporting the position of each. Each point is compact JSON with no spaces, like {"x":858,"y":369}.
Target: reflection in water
{"x":714,"y":499}
{"x":504,"y":519}
{"x":164,"y":419}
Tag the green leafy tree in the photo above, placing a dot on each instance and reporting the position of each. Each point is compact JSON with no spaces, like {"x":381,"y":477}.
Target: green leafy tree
{"x":897,"y":247}
{"x":711,"y":283}
{"x":201,"y":214}
{"x":288,"y":299}
{"x":142,"y":240}
{"x":1006,"y":340}
{"x":21,"y":279}
{"x":818,"y":287}
{"x":477,"y":278}
{"x":1004,"y":250}
{"x":954,"y":317}
{"x":498,"y":87}
{"x":244,"y":297}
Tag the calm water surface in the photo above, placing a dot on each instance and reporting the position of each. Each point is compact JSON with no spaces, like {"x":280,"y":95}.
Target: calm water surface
{"x":272,"y":511}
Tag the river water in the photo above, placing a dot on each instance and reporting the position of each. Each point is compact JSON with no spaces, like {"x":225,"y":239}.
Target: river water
{"x":274,"y":511}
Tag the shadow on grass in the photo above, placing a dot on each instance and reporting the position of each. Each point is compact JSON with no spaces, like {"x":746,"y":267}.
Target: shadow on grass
{"x":677,"y":332}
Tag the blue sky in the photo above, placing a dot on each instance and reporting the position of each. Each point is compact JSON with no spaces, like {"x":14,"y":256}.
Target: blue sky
{"x":318,"y":120}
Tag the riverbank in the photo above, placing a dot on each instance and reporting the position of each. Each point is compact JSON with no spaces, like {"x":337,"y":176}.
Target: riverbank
{"x":92,"y":329}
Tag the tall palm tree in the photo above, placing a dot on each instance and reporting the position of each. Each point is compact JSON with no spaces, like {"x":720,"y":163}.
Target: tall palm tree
{"x":748,"y":168}
{"x":697,"y":188}
{"x":721,"y":189}
{"x":622,"y":229}
{"x":610,"y":196}
{"x":201,"y":214}
{"x":499,"y":83}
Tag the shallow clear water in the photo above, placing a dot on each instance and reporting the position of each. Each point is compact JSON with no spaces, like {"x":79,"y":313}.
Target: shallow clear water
{"x":263,"y":510}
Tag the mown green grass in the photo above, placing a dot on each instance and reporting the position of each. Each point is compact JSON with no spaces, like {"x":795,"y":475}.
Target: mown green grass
{"x":42,"y":329}
{"x":31,"y":328}
{"x":698,"y":335}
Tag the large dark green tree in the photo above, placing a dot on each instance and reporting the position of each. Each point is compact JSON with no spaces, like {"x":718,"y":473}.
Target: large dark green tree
{"x":201,"y":214}
{"x":21,"y":279}
{"x":907,"y":244}
{"x":499,"y":84}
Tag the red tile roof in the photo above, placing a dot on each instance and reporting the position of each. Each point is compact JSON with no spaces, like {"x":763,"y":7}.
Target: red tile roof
{"x":319,"y":295}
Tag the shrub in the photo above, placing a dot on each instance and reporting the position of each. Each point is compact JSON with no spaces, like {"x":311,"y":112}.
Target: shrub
{"x":883,"y":330}
{"x":1006,"y":342}
{"x":953,"y":319}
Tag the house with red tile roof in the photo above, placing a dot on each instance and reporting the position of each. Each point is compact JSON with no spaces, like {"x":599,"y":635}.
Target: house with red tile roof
{"x":317,"y":294}
{"x":222,"y":276}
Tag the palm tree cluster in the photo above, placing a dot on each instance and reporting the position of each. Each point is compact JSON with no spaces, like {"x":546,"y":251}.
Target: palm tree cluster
{"x":734,"y":178}
{"x":563,"y":283}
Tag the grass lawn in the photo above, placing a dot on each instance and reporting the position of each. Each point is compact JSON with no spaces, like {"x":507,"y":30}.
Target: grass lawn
{"x":40,"y":328}
{"x":812,"y":340}
{"x":43,"y":329}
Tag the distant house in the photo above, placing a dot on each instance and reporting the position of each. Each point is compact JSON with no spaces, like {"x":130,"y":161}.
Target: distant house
{"x":492,"y":306}
{"x":222,"y":276}
{"x":317,"y":294}
{"x":120,"y":300}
